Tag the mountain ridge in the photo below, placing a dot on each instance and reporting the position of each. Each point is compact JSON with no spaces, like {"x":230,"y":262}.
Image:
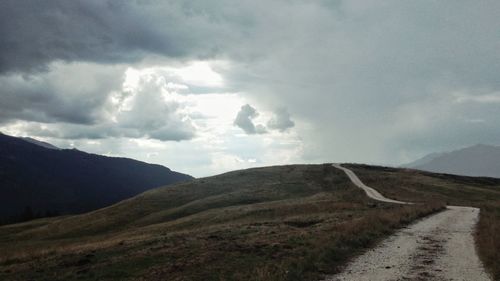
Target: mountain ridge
{"x":40,"y":143}
{"x":37,"y":179}
{"x":480,"y":160}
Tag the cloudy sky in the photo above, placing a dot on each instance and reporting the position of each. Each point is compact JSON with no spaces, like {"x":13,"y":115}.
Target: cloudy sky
{"x":204,"y":87}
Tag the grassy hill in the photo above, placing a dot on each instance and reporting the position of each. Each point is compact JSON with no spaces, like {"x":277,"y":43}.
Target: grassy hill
{"x":274,"y":223}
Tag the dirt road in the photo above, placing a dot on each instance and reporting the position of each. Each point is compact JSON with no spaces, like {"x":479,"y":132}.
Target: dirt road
{"x":370,"y":192}
{"x":440,"y":247}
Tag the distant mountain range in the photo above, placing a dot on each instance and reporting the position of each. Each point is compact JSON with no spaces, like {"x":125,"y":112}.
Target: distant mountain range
{"x":39,"y":178}
{"x":478,"y":160}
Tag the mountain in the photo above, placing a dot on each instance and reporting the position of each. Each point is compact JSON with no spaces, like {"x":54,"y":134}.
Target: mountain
{"x":478,"y":160}
{"x":424,"y":160}
{"x":40,"y":143}
{"x":35,"y":179}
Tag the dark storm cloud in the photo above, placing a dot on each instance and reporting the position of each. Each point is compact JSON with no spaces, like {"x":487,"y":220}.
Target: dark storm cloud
{"x":372,"y":81}
{"x":57,"y":57}
{"x":35,"y":33}
{"x":244,"y":120}
{"x":71,"y":94}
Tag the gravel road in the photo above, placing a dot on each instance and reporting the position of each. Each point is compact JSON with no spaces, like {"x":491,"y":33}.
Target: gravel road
{"x":439,"y":247}
{"x":370,"y":192}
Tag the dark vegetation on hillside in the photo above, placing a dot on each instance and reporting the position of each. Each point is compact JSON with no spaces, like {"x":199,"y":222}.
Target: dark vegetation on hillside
{"x":414,"y":185}
{"x":275,"y":223}
{"x":37,"y":182}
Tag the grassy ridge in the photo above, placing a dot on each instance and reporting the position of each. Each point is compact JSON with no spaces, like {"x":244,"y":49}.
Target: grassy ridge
{"x":275,"y":223}
{"x":413,"y":185}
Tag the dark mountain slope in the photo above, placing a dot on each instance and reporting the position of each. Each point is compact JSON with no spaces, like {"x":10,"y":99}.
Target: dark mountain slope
{"x":40,"y":143}
{"x":70,"y":181}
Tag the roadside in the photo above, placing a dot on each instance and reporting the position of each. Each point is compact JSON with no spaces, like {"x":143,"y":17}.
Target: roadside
{"x":440,"y":247}
{"x":419,"y":186}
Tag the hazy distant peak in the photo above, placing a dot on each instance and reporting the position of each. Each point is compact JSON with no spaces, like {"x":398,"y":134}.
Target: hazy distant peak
{"x":477,"y":148}
{"x":482,"y":146}
{"x":476,"y":160}
{"x":426,"y":159}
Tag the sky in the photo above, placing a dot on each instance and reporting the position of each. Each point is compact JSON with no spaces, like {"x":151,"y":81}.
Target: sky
{"x":204,"y":87}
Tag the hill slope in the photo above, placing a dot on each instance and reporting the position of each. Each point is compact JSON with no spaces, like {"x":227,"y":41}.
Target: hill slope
{"x":272,"y":223}
{"x":479,"y":160}
{"x":70,"y":181}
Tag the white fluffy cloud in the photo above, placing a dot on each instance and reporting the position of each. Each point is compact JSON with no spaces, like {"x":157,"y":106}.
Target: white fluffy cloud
{"x":90,"y":101}
{"x":142,"y":110}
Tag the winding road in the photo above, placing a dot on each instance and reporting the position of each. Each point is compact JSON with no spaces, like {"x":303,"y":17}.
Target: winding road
{"x":439,"y":247}
{"x":370,"y":192}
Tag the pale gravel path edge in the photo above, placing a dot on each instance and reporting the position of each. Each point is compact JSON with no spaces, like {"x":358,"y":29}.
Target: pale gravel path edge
{"x":439,"y":247}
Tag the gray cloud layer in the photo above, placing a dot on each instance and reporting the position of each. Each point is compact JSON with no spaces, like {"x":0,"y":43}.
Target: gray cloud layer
{"x":88,"y":101}
{"x":35,"y":33}
{"x":377,"y":82}
{"x":280,"y":121}
{"x":374,"y":81}
{"x":69,"y":94}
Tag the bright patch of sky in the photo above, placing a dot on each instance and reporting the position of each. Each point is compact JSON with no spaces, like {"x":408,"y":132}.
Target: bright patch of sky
{"x":216,"y":146}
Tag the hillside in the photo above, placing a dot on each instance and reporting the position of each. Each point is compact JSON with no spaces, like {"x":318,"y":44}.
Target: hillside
{"x":478,"y":160}
{"x":296,"y":222}
{"x":272,"y":223}
{"x":50,"y":180}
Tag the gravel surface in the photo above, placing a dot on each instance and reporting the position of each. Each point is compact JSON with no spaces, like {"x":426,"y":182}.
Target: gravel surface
{"x":439,"y":247}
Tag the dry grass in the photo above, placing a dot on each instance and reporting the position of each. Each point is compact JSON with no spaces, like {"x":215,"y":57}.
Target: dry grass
{"x":275,"y":223}
{"x":488,"y":237}
{"x":413,"y":185}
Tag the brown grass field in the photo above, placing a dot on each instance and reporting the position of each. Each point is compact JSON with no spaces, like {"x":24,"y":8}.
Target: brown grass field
{"x":275,"y":223}
{"x":413,"y":185}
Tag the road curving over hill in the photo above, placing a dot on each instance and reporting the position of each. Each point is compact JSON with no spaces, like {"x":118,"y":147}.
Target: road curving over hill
{"x":370,"y":192}
{"x":439,"y":247}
